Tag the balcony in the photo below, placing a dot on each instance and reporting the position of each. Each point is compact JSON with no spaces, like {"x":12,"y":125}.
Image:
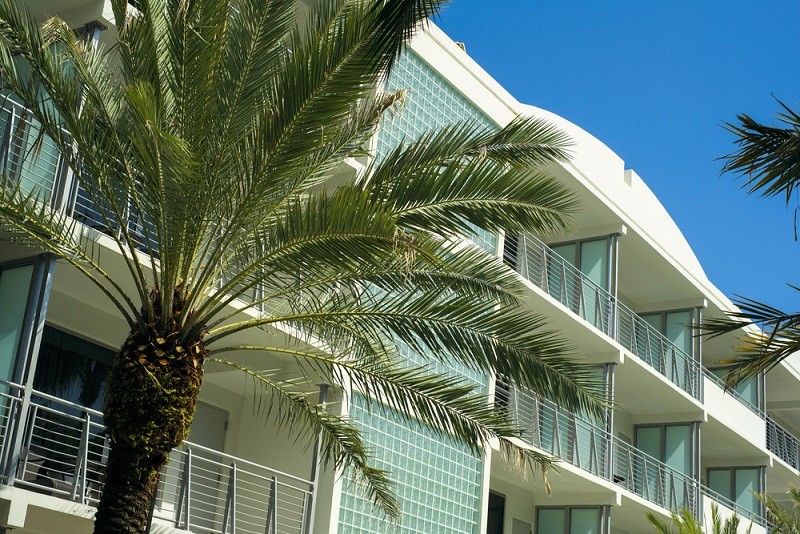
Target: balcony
{"x":727,"y":508}
{"x":582,"y":444}
{"x":557,"y":431}
{"x":539,"y":264}
{"x":783,"y":444}
{"x":32,"y":162}
{"x":752,"y":406}
{"x":60,"y":449}
{"x":647,"y":477}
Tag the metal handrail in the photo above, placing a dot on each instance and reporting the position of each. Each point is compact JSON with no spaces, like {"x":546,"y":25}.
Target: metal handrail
{"x":783,"y":444}
{"x":542,"y":266}
{"x":749,"y":515}
{"x":63,"y":451}
{"x":653,"y":348}
{"x":555,"y":430}
{"x":733,"y":392}
{"x":577,"y":441}
{"x":564,"y":282}
{"x":651,"y":479}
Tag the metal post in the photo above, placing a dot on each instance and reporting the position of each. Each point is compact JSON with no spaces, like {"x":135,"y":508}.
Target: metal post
{"x":272,"y":510}
{"x":28,"y":352}
{"x":65,"y":187}
{"x":184,"y":495}
{"x":613,"y":281}
{"x":696,"y":462}
{"x":230,"y":503}
{"x":315,"y":466}
{"x":610,"y":369}
{"x":697,"y":348}
{"x":81,"y":463}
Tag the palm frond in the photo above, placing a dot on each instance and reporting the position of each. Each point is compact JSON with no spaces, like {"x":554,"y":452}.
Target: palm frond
{"x":775,"y":337}
{"x":768,"y":157}
{"x":341,"y":442}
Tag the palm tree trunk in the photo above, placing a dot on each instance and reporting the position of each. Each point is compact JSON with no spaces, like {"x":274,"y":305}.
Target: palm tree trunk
{"x":150,"y":402}
{"x":130,"y":487}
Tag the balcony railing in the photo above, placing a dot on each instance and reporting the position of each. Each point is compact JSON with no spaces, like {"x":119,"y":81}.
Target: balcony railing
{"x":783,"y":444}
{"x":653,"y":480}
{"x":747,"y":515}
{"x":557,"y":431}
{"x":653,"y":348}
{"x":31,"y":161}
{"x":585,"y":445}
{"x":754,"y":407}
{"x":62,"y":451}
{"x":539,"y":264}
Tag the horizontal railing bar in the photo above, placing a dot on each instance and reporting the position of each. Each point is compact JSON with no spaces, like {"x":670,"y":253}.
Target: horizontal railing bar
{"x":728,"y":503}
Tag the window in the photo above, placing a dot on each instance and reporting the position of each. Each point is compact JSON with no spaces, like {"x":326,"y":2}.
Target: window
{"x":568,"y":520}
{"x":589,"y":257}
{"x":669,"y":444}
{"x":14,"y":285}
{"x":72,"y":368}
{"x":496,"y":513}
{"x":739,"y":485}
{"x":676,"y":326}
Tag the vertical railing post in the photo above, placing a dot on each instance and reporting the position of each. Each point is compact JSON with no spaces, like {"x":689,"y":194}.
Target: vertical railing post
{"x":545,"y":271}
{"x":184,"y":494}
{"x":26,"y":442}
{"x":272,"y":510}
{"x":11,"y":409}
{"x":610,"y":369}
{"x":316,"y":467}
{"x":81,"y":462}
{"x":230,"y":503}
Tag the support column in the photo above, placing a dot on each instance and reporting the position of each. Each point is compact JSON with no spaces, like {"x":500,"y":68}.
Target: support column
{"x":316,"y":466}
{"x":613,"y":281}
{"x":609,"y":372}
{"x":27,"y":356}
{"x":696,"y":464}
{"x":606,"y":514}
{"x":697,"y":347}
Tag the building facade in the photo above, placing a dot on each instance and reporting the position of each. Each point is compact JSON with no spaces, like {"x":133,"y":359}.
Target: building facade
{"x":624,"y":286}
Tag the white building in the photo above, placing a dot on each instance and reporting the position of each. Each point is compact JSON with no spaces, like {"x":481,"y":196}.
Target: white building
{"x":624,"y":287}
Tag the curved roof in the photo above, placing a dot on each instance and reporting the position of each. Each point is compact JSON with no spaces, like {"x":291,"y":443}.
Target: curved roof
{"x":602,"y":171}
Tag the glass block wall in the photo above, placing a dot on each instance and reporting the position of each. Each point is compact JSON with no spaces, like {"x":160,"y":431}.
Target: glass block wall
{"x":430,"y":102}
{"x":437,"y":480}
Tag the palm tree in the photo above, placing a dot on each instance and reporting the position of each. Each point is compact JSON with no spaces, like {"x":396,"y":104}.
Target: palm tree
{"x":783,"y":520}
{"x":222,"y":128}
{"x":768,"y":158}
{"x":687,"y":523}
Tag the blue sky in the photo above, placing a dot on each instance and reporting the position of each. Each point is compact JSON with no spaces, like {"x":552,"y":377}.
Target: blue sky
{"x":655,"y":81}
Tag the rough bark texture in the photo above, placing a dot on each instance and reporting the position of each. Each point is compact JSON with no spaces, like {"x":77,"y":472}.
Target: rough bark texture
{"x":150,"y":401}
